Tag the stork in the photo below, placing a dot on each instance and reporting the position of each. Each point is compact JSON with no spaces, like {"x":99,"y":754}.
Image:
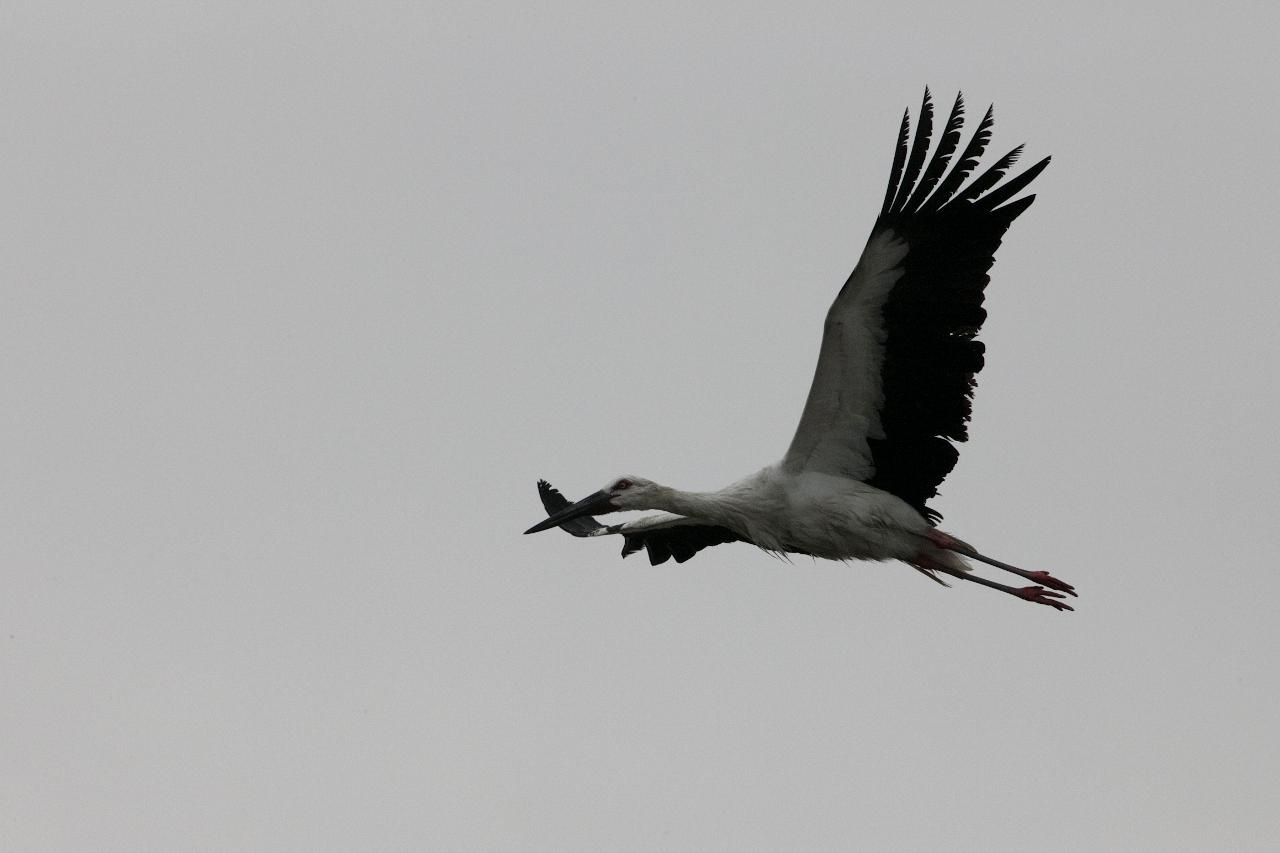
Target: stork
{"x":892,"y":391}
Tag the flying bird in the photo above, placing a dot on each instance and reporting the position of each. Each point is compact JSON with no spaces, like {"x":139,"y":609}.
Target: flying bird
{"x":891,"y":394}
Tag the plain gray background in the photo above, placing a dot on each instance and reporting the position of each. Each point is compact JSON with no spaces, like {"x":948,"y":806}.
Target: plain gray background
{"x":300,"y":299}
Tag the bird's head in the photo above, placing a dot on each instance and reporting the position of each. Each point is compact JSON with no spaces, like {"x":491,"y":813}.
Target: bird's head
{"x":620,"y":493}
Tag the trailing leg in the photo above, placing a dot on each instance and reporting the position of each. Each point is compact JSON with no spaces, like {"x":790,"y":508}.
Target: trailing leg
{"x":1036,"y":594}
{"x":950,"y":543}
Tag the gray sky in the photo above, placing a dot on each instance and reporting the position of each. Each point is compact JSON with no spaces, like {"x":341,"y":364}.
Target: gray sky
{"x":296,"y":304}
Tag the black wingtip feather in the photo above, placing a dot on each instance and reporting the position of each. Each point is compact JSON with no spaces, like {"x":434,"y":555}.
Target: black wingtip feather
{"x":919,"y":149}
{"x":1011,"y":187}
{"x":990,"y":177}
{"x":941,"y":157}
{"x":1014,"y":209}
{"x":899,"y":159}
{"x":965,"y":165}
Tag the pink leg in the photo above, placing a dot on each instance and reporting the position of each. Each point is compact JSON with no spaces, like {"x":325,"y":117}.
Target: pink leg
{"x":1036,"y":594}
{"x":950,"y":543}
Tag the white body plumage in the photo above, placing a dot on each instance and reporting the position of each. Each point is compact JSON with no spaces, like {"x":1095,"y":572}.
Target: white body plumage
{"x":810,"y":513}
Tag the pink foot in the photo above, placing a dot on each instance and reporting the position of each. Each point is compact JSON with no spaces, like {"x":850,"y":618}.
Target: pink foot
{"x":1051,"y":582}
{"x":1040,"y":595}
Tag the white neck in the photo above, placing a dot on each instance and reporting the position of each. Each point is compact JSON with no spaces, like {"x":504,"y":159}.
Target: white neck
{"x":714,"y":507}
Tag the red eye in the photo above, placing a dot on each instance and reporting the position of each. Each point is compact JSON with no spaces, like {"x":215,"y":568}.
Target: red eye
{"x":622,"y":484}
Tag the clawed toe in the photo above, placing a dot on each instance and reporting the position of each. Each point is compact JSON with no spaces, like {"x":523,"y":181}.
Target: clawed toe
{"x":1053,"y":583}
{"x":1040,"y":595}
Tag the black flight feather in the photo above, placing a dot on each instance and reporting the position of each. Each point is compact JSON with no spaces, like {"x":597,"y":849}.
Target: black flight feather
{"x":899,"y":158}
{"x":919,"y":148}
{"x":964,"y":167}
{"x":991,"y":177}
{"x":680,"y":542}
{"x":1011,"y":187}
{"x":941,"y":157}
{"x":934,"y":312}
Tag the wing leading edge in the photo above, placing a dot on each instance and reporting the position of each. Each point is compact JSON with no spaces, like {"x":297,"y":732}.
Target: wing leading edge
{"x":894,"y":383}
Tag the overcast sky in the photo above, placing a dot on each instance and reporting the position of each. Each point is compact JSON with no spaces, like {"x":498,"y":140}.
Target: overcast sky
{"x":298,"y":302}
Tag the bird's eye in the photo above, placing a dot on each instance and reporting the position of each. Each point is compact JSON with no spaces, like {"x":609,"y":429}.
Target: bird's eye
{"x":622,"y":484}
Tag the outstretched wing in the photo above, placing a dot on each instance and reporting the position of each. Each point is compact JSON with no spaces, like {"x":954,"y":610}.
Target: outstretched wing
{"x":666,"y":536}
{"x":895,"y":376}
{"x":663,"y":536}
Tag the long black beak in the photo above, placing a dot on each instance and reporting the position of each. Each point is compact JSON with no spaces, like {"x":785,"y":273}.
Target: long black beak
{"x":591,"y":504}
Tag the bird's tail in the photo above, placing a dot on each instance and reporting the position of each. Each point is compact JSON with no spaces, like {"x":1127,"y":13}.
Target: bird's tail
{"x":936,"y":560}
